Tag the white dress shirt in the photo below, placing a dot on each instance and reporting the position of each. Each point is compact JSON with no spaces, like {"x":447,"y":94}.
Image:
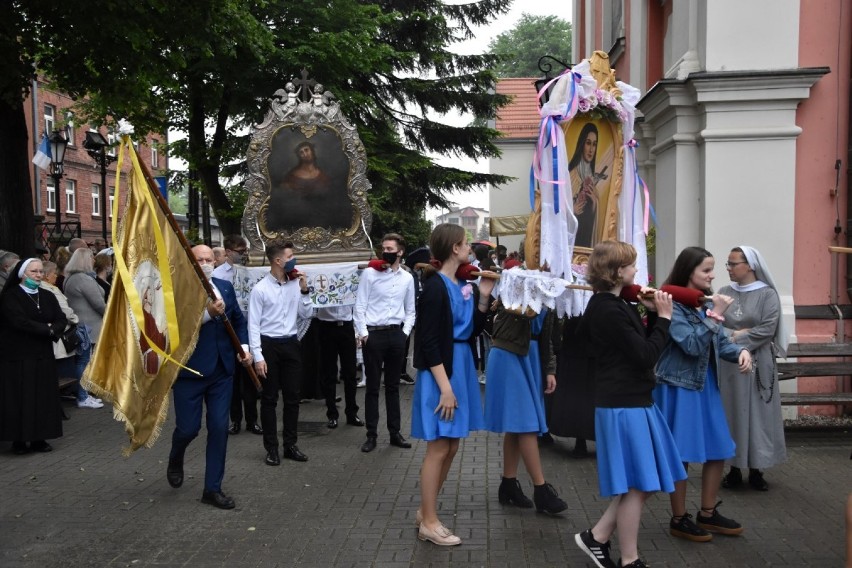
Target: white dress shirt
{"x":207,"y":317}
{"x":384,"y":298}
{"x":224,"y":271}
{"x":273,"y":310}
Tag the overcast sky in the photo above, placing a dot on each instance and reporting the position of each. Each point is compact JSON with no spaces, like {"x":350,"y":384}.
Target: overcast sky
{"x":508,"y":21}
{"x":479,"y":45}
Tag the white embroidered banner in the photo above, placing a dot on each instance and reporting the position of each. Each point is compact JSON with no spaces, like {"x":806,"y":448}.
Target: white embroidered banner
{"x":332,"y":284}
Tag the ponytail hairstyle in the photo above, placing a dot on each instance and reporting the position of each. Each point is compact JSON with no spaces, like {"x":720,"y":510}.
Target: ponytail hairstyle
{"x":444,"y":237}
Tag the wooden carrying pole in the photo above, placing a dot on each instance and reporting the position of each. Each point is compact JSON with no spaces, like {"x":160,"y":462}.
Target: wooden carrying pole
{"x":473,"y":273}
{"x":235,"y":341}
{"x":680,"y":294}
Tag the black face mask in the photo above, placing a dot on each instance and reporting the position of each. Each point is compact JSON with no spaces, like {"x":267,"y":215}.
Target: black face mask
{"x":389,"y":257}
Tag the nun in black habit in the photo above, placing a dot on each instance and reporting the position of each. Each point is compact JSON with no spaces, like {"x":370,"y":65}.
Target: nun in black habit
{"x":30,"y":321}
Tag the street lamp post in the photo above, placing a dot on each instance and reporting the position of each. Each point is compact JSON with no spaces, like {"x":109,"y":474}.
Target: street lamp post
{"x":58,"y":143}
{"x":95,"y":144}
{"x":546,"y":67}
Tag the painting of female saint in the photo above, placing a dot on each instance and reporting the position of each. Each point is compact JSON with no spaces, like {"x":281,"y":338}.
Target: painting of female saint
{"x":590,"y":168}
{"x":308,"y":179}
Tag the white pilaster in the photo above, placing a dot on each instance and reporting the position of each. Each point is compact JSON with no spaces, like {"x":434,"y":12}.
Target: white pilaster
{"x":670,"y":112}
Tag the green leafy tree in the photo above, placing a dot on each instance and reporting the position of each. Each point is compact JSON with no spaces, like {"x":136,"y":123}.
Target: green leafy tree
{"x":521,"y":47}
{"x":209,"y":67}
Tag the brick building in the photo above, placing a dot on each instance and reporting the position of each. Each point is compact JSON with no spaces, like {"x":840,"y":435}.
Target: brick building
{"x":78,"y":196}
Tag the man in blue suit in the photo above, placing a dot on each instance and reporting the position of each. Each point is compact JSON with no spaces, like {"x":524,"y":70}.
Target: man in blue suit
{"x":214,"y":358}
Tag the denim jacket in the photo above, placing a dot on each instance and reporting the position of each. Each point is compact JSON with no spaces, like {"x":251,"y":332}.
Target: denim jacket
{"x":684,"y":360}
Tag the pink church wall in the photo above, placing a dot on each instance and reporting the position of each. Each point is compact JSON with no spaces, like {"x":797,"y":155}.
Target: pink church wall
{"x":825,"y":40}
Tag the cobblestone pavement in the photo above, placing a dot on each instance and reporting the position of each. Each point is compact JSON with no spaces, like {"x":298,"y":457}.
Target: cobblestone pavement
{"x":86,"y":505}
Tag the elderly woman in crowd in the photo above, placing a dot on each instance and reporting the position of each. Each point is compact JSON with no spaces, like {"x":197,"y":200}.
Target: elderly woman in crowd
{"x":752,"y":403}
{"x":30,"y":322}
{"x":84,"y":295}
{"x":70,"y":363}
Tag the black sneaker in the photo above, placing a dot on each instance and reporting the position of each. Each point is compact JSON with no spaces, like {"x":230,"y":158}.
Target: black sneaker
{"x":599,"y":553}
{"x":406,"y":379}
{"x":638,"y":563}
{"x":683,"y":527}
{"x":717,"y":523}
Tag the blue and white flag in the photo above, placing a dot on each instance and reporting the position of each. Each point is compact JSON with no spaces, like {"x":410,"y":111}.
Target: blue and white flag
{"x":43,"y":157}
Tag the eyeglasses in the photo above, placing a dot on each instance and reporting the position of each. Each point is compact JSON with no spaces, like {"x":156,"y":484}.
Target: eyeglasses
{"x":733,"y":264}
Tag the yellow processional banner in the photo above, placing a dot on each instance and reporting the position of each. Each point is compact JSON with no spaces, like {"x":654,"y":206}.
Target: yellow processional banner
{"x":155,"y":308}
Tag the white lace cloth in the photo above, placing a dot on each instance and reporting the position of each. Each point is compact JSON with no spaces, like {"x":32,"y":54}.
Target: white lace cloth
{"x":522,"y":289}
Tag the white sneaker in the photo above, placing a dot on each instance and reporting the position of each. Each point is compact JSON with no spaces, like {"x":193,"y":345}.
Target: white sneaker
{"x":362,"y":384}
{"x":90,"y":402}
{"x":481,"y":378}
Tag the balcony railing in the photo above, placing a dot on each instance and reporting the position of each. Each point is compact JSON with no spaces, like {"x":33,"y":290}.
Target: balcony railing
{"x":52,"y":237}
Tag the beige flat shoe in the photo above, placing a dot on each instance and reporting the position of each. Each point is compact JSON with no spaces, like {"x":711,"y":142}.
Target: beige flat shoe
{"x":440,"y":536}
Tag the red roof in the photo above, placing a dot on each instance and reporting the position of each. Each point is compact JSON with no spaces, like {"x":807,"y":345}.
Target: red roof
{"x":520,"y":118}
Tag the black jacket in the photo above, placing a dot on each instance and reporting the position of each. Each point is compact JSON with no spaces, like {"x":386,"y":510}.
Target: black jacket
{"x":622,"y":351}
{"x":433,"y":340}
{"x":24,"y":330}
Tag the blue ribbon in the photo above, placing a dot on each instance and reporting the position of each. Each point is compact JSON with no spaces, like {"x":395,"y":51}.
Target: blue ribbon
{"x":532,"y":188}
{"x":555,"y":166}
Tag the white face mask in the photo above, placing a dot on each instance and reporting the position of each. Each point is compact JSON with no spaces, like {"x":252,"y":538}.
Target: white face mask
{"x":207,"y":269}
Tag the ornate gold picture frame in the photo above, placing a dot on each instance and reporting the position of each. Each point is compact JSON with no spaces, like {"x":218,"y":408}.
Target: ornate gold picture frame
{"x":308,"y":179}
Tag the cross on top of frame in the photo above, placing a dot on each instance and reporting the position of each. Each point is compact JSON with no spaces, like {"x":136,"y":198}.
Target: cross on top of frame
{"x":303,"y":84}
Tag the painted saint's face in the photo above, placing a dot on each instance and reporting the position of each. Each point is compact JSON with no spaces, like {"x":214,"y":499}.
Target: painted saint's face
{"x":306,"y":154}
{"x":590,"y":147}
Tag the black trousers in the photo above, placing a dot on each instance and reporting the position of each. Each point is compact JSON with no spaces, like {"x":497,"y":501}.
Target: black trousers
{"x":245,"y":396}
{"x":384,"y":351}
{"x":402,"y":371}
{"x":311,"y":368}
{"x":337,"y":341}
{"x":284,"y":372}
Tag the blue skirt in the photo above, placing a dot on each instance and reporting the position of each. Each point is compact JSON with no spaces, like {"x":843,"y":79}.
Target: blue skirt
{"x":635,"y":450}
{"x":425,"y":424}
{"x":514,"y":394}
{"x":697,"y":420}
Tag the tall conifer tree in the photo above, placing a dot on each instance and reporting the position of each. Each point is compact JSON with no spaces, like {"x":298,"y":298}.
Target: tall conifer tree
{"x":209,"y":67}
